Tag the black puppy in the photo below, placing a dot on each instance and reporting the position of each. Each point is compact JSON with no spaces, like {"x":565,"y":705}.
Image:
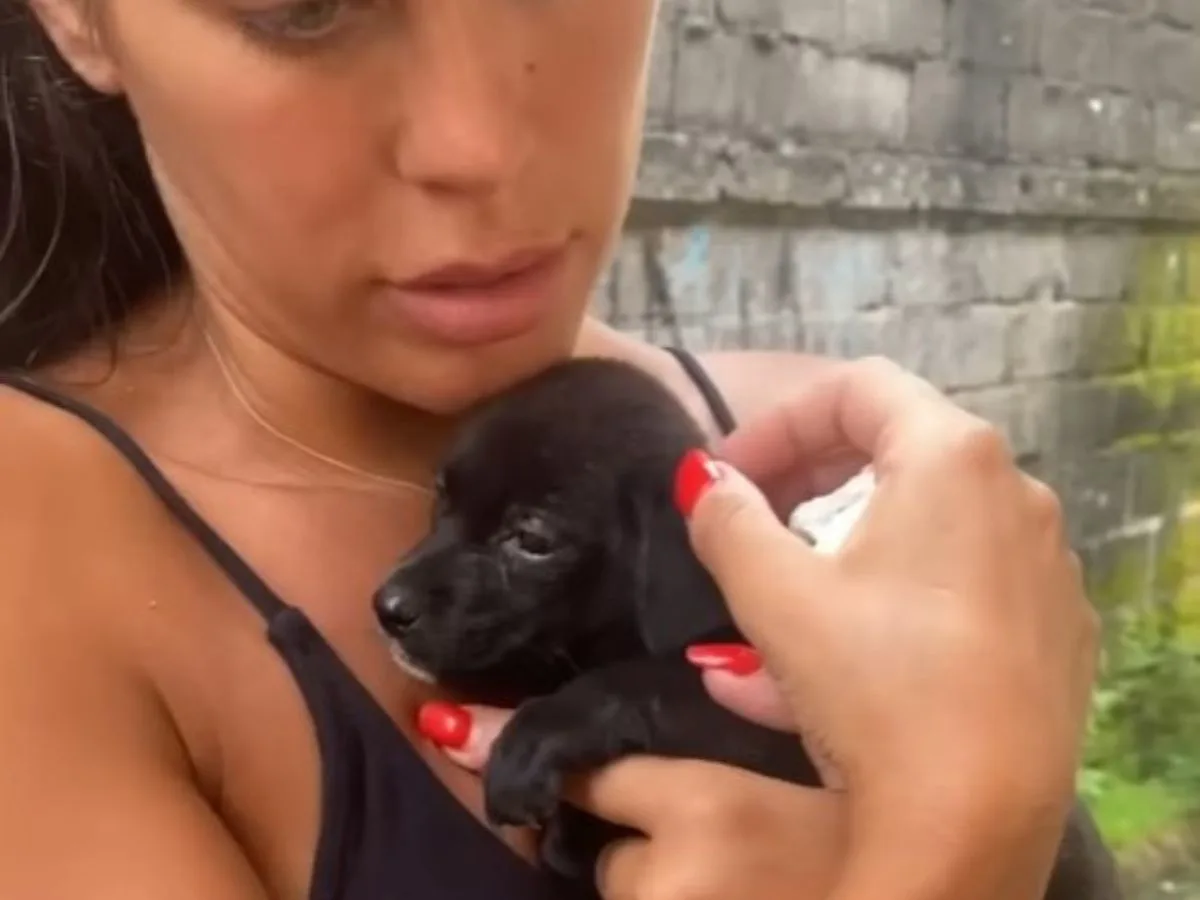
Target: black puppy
{"x":558,"y":577}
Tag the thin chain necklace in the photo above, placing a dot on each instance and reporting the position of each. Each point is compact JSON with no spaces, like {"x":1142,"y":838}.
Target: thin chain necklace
{"x":244,"y":402}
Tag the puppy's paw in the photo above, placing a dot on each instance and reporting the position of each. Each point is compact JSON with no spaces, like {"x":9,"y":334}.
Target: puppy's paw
{"x":547,"y":740}
{"x":523,"y":780}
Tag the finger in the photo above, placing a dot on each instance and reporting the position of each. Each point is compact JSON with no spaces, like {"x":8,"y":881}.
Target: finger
{"x":730,"y":521}
{"x":785,"y":490}
{"x":788,"y":492}
{"x":627,"y":792}
{"x":464,"y":733}
{"x":620,"y":868}
{"x":832,"y":427}
{"x":754,"y":697}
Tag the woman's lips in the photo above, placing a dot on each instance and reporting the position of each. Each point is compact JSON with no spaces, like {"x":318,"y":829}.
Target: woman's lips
{"x":467,"y":304}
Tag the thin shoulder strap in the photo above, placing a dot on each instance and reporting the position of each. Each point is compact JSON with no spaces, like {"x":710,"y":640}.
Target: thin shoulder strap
{"x":721,"y":412}
{"x":265,"y":600}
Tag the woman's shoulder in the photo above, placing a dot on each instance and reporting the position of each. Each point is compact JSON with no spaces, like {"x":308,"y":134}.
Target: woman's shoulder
{"x":755,"y":381}
{"x":750,"y":381}
{"x":75,"y":529}
{"x":67,"y":505}
{"x":59,"y":475}
{"x":87,"y":744}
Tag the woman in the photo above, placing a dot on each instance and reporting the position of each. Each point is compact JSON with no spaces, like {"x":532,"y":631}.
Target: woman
{"x":263,"y":254}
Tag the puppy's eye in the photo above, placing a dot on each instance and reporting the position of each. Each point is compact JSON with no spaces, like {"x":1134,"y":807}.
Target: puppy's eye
{"x":531,"y":539}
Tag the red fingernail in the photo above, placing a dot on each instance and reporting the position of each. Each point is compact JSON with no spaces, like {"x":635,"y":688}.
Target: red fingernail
{"x":445,"y":724}
{"x":736,"y":659}
{"x":695,"y":474}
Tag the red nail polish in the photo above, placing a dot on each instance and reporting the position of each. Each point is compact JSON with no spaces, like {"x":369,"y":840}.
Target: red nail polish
{"x":444,"y":724}
{"x":696,"y":473}
{"x":736,"y":659}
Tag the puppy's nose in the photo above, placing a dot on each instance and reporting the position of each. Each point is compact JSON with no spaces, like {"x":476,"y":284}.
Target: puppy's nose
{"x":398,"y":610}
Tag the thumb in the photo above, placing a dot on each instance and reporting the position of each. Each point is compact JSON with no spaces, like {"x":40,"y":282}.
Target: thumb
{"x":747,"y":550}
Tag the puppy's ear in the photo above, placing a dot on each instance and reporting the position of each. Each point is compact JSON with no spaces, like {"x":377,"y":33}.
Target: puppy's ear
{"x":676,"y":600}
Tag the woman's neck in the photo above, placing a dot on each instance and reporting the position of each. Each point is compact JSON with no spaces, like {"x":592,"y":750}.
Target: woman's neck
{"x":332,"y":423}
{"x":222,"y":399}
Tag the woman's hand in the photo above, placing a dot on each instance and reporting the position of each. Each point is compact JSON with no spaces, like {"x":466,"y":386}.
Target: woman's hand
{"x":712,"y":832}
{"x":942,"y":659}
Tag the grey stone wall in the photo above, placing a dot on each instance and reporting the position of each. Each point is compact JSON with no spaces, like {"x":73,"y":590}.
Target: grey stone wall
{"x":1001,"y":194}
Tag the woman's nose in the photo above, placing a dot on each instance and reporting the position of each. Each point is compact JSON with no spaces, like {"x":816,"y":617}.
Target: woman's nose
{"x":464,"y":128}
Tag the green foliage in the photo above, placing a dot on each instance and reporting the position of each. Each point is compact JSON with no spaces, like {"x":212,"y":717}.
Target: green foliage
{"x":1132,"y":814}
{"x":1141,"y":772}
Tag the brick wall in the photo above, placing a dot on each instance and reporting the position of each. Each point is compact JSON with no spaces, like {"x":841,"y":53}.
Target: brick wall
{"x":1001,"y":194}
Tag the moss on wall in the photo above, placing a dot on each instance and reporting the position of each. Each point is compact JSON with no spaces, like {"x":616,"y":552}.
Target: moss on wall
{"x":1161,"y":416}
{"x":1143,"y":761}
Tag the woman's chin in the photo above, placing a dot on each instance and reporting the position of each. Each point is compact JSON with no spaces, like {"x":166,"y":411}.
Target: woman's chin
{"x":449,"y":382}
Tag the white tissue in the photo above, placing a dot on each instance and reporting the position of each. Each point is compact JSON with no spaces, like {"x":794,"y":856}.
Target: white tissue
{"x":830,"y":519}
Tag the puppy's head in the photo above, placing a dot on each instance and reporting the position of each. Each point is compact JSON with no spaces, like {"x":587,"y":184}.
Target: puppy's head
{"x":553,"y":525}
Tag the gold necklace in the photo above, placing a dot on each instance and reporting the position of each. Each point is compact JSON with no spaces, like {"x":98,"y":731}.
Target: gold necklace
{"x":248,"y":407}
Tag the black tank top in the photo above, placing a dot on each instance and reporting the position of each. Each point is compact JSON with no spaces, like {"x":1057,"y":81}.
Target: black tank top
{"x":389,"y":829}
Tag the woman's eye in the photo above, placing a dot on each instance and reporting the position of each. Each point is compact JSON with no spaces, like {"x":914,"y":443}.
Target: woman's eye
{"x":299,"y":20}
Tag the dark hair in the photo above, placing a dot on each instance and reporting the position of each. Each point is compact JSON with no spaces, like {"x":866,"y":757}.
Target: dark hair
{"x":84,"y":238}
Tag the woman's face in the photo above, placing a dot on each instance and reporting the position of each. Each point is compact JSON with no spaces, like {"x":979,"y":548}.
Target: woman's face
{"x":351,"y":178}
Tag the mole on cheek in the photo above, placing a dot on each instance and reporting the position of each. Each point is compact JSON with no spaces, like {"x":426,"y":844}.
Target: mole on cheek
{"x":531,"y":67}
